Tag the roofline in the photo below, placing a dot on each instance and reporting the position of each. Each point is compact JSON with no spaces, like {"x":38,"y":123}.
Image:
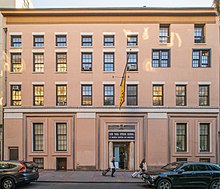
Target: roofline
{"x":111,"y":8}
{"x":125,"y":11}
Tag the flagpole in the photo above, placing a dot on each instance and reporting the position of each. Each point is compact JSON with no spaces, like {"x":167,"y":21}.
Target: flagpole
{"x":125,"y":69}
{"x":123,"y":83}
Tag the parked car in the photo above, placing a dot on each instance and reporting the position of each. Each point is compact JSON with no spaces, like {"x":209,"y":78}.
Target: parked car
{"x":185,"y":174}
{"x":13,"y":173}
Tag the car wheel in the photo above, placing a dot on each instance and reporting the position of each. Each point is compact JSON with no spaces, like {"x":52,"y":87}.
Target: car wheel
{"x":8,"y":183}
{"x":215,"y":184}
{"x":164,"y":184}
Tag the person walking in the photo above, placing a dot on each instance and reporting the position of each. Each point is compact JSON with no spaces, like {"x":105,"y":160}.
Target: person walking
{"x":113,"y":166}
{"x":143,"y":166}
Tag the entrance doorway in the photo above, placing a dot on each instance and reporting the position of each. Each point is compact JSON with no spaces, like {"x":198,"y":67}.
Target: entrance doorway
{"x":13,"y":153}
{"x":121,"y":153}
{"x":61,"y":164}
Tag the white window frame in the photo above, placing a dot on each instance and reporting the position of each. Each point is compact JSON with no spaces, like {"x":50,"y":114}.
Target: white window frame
{"x":187,"y":137}
{"x":55,"y":134}
{"x":32,"y":136}
{"x":210,"y":138}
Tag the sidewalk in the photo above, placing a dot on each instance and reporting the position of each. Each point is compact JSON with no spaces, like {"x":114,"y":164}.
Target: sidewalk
{"x":86,"y":176}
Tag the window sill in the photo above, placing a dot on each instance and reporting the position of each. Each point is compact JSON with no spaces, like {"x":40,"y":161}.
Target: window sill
{"x":164,"y":43}
{"x":38,"y":152}
{"x":37,"y":72}
{"x":203,"y":153}
{"x":200,"y":43}
{"x":87,"y":46}
{"x":178,"y":153}
{"x":38,"y":47}
{"x":128,"y":47}
{"x":61,"y":47}
{"x":161,"y":67}
{"x":61,"y":72}
{"x":109,"y":47}
{"x":16,"y":47}
{"x":135,"y":71}
{"x":64,"y":151}
{"x":108,"y":72}
{"x":86,"y":71}
{"x":15,"y":72}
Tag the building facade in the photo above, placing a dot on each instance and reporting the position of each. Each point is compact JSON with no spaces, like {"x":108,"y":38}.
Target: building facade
{"x":64,"y":70}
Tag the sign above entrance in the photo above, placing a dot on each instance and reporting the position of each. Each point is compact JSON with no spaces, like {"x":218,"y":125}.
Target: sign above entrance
{"x":121,"y":135}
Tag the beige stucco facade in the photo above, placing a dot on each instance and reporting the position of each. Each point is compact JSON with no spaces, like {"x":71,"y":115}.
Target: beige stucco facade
{"x":89,"y":128}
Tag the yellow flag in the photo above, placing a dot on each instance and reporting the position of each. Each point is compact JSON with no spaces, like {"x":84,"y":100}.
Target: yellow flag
{"x":122,"y":94}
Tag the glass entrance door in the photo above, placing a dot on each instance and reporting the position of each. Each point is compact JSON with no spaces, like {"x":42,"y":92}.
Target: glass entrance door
{"x":121,"y":153}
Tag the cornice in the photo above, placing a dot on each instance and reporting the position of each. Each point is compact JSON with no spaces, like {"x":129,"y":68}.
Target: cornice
{"x":109,"y":15}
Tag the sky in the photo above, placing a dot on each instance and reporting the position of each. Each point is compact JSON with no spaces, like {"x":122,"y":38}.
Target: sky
{"x":120,"y":3}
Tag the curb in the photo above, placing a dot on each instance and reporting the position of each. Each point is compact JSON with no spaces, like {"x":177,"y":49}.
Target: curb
{"x":78,"y":182}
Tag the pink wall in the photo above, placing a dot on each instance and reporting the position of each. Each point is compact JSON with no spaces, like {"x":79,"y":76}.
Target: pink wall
{"x":181,"y":46}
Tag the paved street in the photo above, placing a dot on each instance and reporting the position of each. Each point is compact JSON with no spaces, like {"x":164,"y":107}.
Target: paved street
{"x":45,"y":185}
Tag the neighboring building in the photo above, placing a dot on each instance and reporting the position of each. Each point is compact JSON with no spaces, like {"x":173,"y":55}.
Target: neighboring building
{"x":64,"y":86}
{"x":7,"y":4}
{"x":16,"y":4}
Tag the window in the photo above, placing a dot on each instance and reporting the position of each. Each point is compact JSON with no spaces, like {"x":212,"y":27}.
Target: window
{"x":188,"y":168}
{"x":15,"y":95}
{"x":86,"y":95}
{"x":199,"y":34}
{"x":202,"y":167}
{"x":61,"y":41}
{"x":61,"y":59}
{"x":39,"y":162}
{"x":109,"y":95}
{"x":181,"y":159}
{"x":86,"y":61}
{"x":157,"y":95}
{"x":109,"y":40}
{"x":61,"y":137}
{"x":61,"y":91}
{"x":132,"y":98}
{"x":164,"y":33}
{"x":180,"y":95}
{"x":132,"y":40}
{"x":16,"y":41}
{"x":204,"y":160}
{"x":109,"y":62}
{"x":38,"y":95}
{"x":38,"y":137}
{"x":181,"y":137}
{"x":38,"y":62}
{"x":16,"y":65}
{"x":201,"y":58}
{"x":87,"y":40}
{"x":6,"y":165}
{"x":203,"y":95}
{"x":161,"y":58}
{"x":38,"y":41}
{"x":132,"y":61}
{"x":204,"y":131}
